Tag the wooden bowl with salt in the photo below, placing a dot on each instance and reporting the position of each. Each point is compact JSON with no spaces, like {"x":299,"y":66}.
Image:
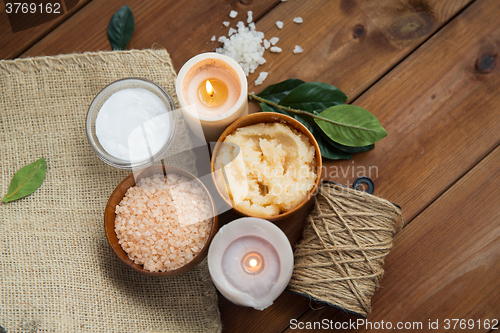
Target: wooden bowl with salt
{"x":117,"y":196}
{"x":268,"y":117}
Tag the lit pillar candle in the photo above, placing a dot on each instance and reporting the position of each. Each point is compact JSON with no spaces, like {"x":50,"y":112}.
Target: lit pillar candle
{"x":212,"y":91}
{"x":250,"y":261}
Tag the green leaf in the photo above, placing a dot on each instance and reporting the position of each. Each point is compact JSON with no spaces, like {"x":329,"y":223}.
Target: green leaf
{"x":326,"y":149}
{"x":276,"y":92}
{"x":329,"y":151}
{"x":352,"y":150}
{"x":120,"y":28}
{"x":26,"y":181}
{"x":356,"y":127}
{"x":314,"y":96}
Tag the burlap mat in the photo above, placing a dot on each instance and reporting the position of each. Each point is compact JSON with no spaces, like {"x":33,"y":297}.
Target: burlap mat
{"x":57,"y":272}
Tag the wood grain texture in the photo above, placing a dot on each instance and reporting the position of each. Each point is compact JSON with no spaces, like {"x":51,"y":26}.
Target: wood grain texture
{"x":440,"y":107}
{"x":377,"y":53}
{"x":184,"y":28}
{"x":433,"y":104}
{"x":440,"y":110}
{"x":13,"y":44}
{"x":446,"y":263}
{"x":237,"y":319}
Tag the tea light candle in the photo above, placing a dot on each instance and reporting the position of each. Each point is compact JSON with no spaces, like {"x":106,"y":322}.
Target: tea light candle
{"x":251,"y":262}
{"x":212,"y":92}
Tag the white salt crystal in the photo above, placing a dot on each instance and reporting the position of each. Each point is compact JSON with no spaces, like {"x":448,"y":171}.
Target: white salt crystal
{"x":261,"y":78}
{"x":298,"y":20}
{"x":266,"y":44}
{"x":279,"y":24}
{"x":298,"y":49}
{"x":276,"y":49}
{"x":232,"y":31}
{"x":245,"y":47}
{"x":222,"y":39}
{"x":250,"y":16}
{"x":226,"y":23}
{"x":274,"y":40}
{"x":252,"y":26}
{"x":233,"y":14}
{"x":213,"y":38}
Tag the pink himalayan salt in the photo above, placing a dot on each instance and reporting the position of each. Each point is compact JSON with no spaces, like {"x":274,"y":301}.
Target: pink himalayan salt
{"x":163,"y":222}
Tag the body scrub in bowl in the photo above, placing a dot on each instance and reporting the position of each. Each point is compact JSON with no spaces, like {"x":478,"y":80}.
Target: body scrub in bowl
{"x":162,"y":225}
{"x":267,"y":165}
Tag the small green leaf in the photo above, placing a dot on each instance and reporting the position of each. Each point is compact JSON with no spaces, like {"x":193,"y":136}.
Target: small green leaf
{"x":120,"y":28}
{"x":356,"y":126}
{"x":326,"y":149}
{"x":313,"y":96}
{"x":276,"y":92}
{"x":26,"y":180}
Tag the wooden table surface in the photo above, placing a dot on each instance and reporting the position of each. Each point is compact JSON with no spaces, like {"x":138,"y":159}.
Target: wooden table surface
{"x":426,"y":68}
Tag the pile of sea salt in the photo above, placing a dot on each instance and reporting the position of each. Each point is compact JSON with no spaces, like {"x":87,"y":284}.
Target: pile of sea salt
{"x":246,"y":45}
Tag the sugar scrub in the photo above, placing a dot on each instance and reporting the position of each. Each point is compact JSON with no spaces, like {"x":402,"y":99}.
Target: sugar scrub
{"x":163,"y":222}
{"x":133,"y":124}
{"x":267,"y":169}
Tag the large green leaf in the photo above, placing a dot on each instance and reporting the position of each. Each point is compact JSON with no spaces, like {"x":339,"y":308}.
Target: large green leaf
{"x":26,"y":180}
{"x":327,"y":150}
{"x":276,"y":92}
{"x":356,"y":127}
{"x":120,"y":28}
{"x":314,"y":96}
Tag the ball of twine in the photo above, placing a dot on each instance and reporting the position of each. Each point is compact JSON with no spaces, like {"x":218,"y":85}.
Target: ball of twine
{"x":346,"y":239}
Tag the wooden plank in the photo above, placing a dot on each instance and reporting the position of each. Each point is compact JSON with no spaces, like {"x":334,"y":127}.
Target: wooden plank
{"x":445,"y":264}
{"x":13,"y":44}
{"x":368,"y":51}
{"x":241,"y":319}
{"x":347,"y":43}
{"x":365,"y":49}
{"x":184,"y":28}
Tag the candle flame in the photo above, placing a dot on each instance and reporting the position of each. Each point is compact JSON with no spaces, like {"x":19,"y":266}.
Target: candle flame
{"x":210,"y":89}
{"x":253,"y":263}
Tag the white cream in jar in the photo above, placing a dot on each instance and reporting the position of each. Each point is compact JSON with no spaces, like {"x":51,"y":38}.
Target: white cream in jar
{"x":133,"y":124}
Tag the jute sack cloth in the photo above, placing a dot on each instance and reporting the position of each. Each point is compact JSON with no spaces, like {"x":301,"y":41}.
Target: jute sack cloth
{"x":57,"y":272}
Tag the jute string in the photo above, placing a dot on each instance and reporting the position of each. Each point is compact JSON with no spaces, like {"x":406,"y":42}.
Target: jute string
{"x":57,"y":272}
{"x":346,"y":239}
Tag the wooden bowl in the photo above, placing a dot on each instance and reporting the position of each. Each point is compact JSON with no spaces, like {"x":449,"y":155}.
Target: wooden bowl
{"x":268,"y":117}
{"x":117,"y":196}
